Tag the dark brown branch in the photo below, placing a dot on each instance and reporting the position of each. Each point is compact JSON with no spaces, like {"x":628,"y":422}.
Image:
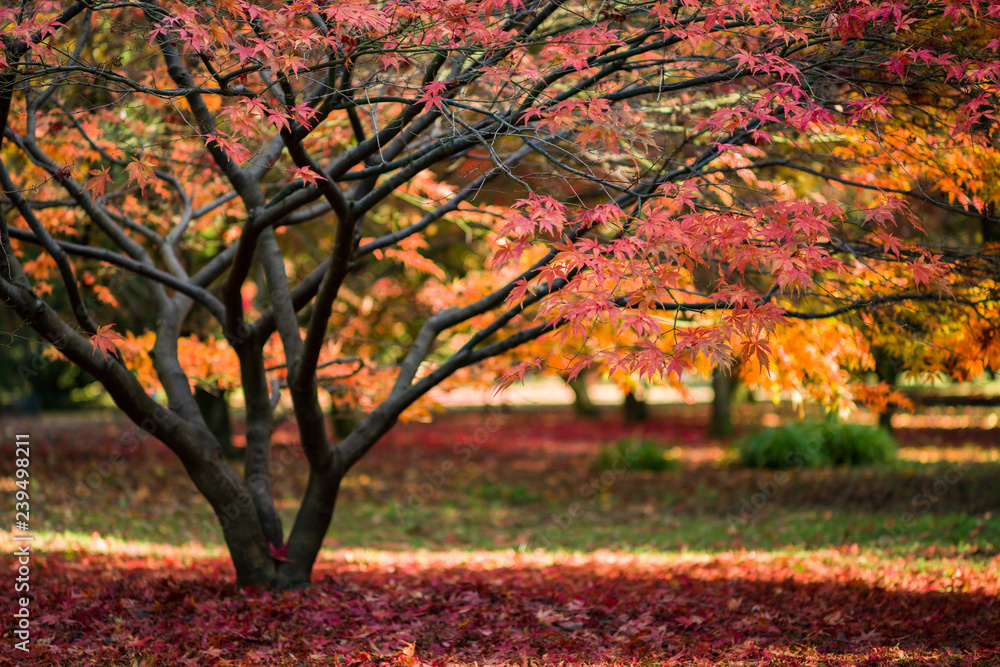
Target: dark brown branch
{"x":76,"y":301}
{"x":196,"y":293}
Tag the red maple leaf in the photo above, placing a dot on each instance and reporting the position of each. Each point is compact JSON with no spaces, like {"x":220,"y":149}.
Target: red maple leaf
{"x":432,"y":95}
{"x":104,"y":340}
{"x":279,"y":552}
{"x":307,"y":175}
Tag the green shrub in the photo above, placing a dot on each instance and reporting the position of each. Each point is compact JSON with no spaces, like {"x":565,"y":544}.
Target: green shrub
{"x":788,"y":446}
{"x":857,"y":444}
{"x":632,"y":454}
{"x":815,"y":445}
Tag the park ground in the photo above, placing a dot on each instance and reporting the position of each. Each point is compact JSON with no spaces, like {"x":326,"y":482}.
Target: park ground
{"x":490,"y":537}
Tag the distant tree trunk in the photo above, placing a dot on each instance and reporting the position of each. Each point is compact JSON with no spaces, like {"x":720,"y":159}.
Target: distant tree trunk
{"x":344,"y":420}
{"x":887,"y":370}
{"x":635,"y":408}
{"x":885,"y":418}
{"x":989,"y":225}
{"x":582,"y":405}
{"x":721,"y":421}
{"x":215,"y":411}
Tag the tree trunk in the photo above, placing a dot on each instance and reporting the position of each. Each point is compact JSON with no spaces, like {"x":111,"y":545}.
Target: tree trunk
{"x":311,"y":525}
{"x":635,"y":408}
{"x":234,"y":508}
{"x":721,"y":421}
{"x":989,"y":226}
{"x":215,"y":410}
{"x":254,"y":558}
{"x":582,"y":405}
{"x":344,"y":420}
{"x":887,"y":370}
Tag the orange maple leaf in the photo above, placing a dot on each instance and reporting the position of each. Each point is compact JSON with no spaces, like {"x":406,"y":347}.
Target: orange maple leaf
{"x":141,"y":172}
{"x":104,"y":340}
{"x":99,"y":182}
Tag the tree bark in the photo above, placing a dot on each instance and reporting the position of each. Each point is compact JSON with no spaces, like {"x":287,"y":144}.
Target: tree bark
{"x":989,"y":225}
{"x":721,"y":421}
{"x":887,"y":370}
{"x":635,"y":408}
{"x":344,"y":420}
{"x":582,"y":405}
{"x":311,"y":524}
{"x":234,"y":507}
{"x":215,"y":410}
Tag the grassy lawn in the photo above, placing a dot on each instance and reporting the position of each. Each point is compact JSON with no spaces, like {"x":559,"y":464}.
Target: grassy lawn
{"x":542,"y":490}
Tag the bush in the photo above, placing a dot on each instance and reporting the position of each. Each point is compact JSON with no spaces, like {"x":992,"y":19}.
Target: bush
{"x":632,"y":454}
{"x":816,"y":445}
{"x":857,"y":444}
{"x":788,"y":446}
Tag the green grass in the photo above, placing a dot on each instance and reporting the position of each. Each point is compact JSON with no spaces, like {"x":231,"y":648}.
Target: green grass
{"x":676,"y":510}
{"x":596,"y":528}
{"x":481,"y":526}
{"x":510,"y":498}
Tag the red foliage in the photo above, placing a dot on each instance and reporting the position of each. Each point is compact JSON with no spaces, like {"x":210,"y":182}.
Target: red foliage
{"x":104,"y":339}
{"x":475,"y":608}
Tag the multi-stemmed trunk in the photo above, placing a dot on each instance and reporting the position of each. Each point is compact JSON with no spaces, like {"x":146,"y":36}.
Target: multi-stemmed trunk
{"x":244,"y":506}
{"x":257,"y":559}
{"x":257,"y":562}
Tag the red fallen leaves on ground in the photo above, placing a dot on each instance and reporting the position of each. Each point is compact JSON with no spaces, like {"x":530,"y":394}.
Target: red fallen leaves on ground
{"x":465,"y":608}
{"x":539,"y":432}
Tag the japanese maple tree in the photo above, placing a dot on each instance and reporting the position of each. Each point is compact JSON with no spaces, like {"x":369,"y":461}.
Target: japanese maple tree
{"x":294,"y":176}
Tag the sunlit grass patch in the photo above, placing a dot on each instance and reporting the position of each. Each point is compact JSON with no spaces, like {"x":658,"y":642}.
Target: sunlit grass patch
{"x":939,"y":421}
{"x":958,"y":453}
{"x":71,"y":542}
